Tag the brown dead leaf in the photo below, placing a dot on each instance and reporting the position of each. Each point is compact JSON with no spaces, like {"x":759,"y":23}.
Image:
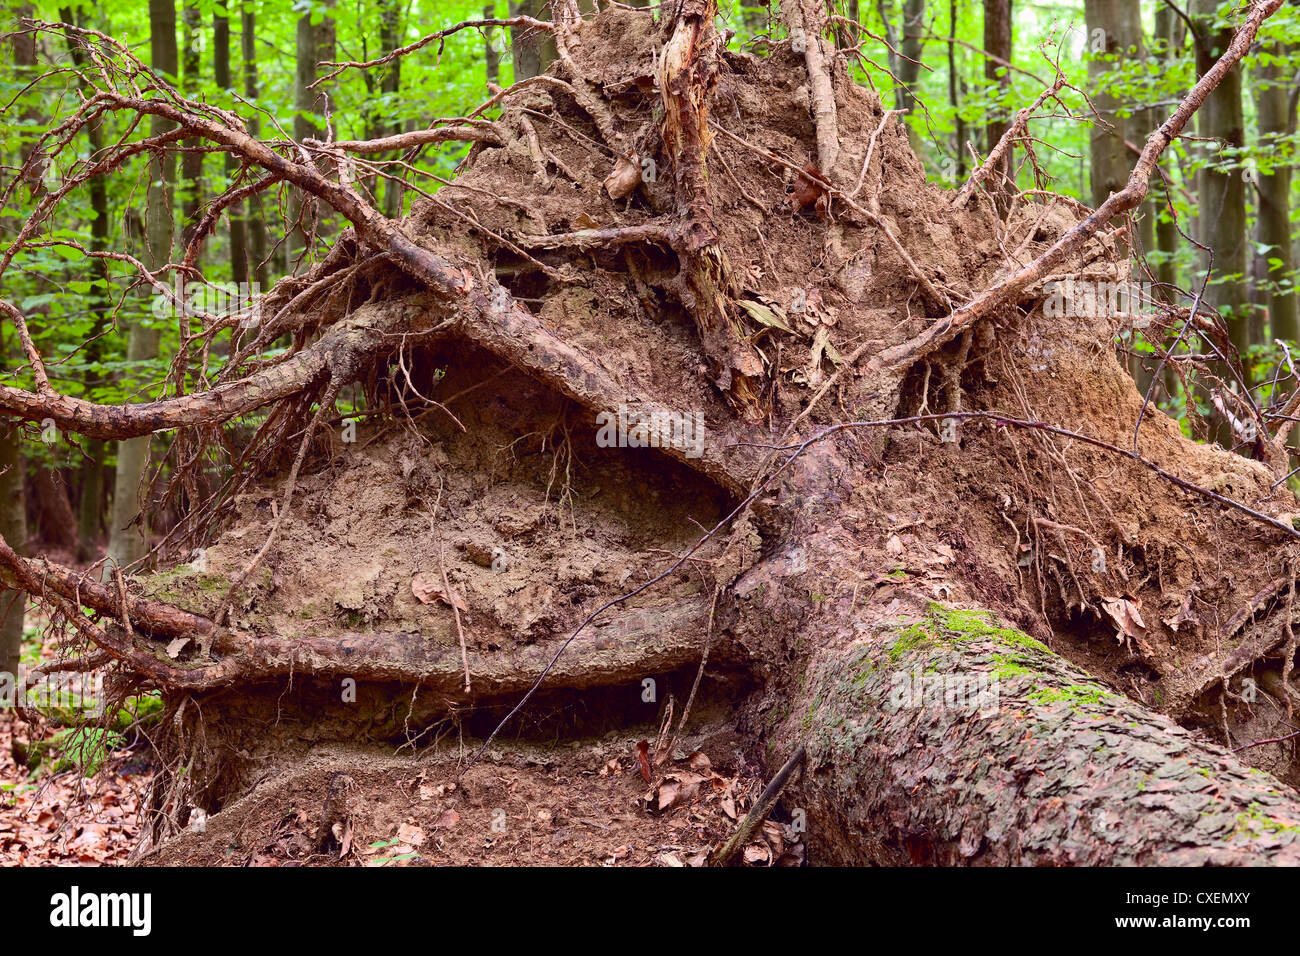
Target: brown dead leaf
{"x":447,"y":820}
{"x":774,"y":834}
{"x":669,"y":791}
{"x":808,"y":188}
{"x":728,"y":804}
{"x":1184,"y":615}
{"x":427,"y":588}
{"x":410,"y":833}
{"x":1127,"y":617}
{"x":792,"y":857}
{"x":624,"y":177}
{"x":757,"y":854}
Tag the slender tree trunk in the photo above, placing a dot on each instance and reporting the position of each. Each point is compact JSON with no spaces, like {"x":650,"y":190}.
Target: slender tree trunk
{"x":13,"y":527}
{"x":954,"y":87}
{"x":238,"y":225}
{"x":56,"y":524}
{"x":191,"y":183}
{"x":1167,"y":239}
{"x":909,"y":67}
{"x":259,"y":268}
{"x":891,"y":45}
{"x":532,"y":53}
{"x":491,"y":59}
{"x":315,"y":45}
{"x":1109,"y":25}
{"x":90,"y":505}
{"x":1277,"y":121}
{"x":129,"y":534}
{"x":997,"y":43}
{"x":13,"y":510}
{"x":1222,"y":200}
{"x":1114,"y":39}
{"x":391,"y":84}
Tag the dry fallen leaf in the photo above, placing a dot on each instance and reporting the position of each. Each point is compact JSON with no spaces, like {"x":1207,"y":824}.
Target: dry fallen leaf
{"x":757,"y":853}
{"x":448,"y":820}
{"x":1126,"y":616}
{"x":624,"y":177}
{"x":427,"y":588}
{"x":1184,"y":615}
{"x":176,"y":646}
{"x":728,"y":804}
{"x":792,"y":857}
{"x":668,"y":793}
{"x":410,"y":833}
{"x":774,"y":834}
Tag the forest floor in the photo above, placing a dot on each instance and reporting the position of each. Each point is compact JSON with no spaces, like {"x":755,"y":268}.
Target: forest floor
{"x":65,"y":819}
{"x":585,"y":806}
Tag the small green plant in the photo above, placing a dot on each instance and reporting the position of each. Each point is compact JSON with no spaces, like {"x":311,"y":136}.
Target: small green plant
{"x":75,"y":748}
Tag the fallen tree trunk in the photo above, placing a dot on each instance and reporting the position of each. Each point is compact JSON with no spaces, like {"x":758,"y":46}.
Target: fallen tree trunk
{"x":882,"y":462}
{"x":943,"y":738}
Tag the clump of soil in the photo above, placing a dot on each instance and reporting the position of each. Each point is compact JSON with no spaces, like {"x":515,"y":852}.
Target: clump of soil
{"x":533,"y":523}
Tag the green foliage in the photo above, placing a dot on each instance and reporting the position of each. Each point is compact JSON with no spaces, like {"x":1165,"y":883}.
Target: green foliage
{"x":81,"y":748}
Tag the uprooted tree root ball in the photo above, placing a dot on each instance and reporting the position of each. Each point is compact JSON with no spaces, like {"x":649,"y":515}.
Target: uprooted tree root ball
{"x":853,"y":459}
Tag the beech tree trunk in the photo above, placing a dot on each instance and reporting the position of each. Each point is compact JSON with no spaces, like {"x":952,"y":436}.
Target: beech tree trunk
{"x":998,"y":44}
{"x":1222,"y":192}
{"x":1277,"y":121}
{"x":258,"y":266}
{"x":530,"y":53}
{"x":57,"y":525}
{"x":13,"y":528}
{"x":129,"y":524}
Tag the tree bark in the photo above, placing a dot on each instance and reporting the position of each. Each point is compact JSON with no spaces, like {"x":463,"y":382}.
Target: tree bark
{"x":491,"y":59}
{"x":1276,"y":122}
{"x":1116,"y":27}
{"x":129,"y":525}
{"x":909,"y":69}
{"x":239,"y":214}
{"x":531,"y":52}
{"x":13,"y":527}
{"x":391,"y":83}
{"x":1222,"y":199}
{"x":191,"y":181}
{"x":57,"y":526}
{"x":998,"y":43}
{"x":951,"y":740}
{"x":256,"y":219}
{"x":954,"y":90}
